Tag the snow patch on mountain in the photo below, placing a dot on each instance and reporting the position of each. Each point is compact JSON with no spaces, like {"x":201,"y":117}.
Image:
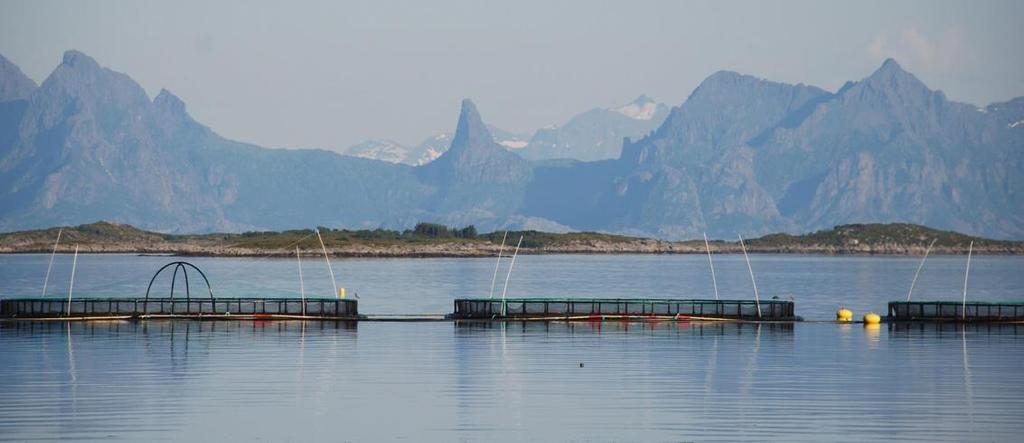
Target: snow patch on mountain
{"x":643,"y":108}
{"x":514,"y":143}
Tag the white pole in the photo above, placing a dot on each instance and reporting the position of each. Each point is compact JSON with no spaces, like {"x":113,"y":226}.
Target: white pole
{"x":328,"y":260}
{"x":963,"y":308}
{"x":302,"y":286}
{"x":757,"y":298}
{"x":494,"y":279}
{"x":714,"y":281}
{"x":914,"y":281}
{"x":71,"y":286}
{"x":510,"y":265}
{"x":50,"y":266}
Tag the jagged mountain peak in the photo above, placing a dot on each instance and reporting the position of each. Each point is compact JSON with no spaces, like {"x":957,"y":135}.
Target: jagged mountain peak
{"x":14,"y":84}
{"x":167,"y":101}
{"x":892,"y":81}
{"x":892,"y":73}
{"x":80,"y":86}
{"x":81,"y":76}
{"x":79,"y":60}
{"x":170,"y":114}
{"x":890,"y":64}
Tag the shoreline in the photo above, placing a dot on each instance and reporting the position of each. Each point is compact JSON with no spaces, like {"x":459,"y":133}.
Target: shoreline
{"x":483,"y":250}
{"x":895,"y":239}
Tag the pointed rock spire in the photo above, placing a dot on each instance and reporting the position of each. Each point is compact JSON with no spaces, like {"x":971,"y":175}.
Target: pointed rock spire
{"x":474,"y":156}
{"x":471,"y":130}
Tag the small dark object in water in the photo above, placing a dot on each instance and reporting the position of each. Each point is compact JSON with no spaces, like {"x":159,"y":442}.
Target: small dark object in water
{"x":581,"y":365}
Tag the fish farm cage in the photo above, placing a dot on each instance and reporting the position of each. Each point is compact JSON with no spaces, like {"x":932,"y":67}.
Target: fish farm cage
{"x":955,"y":311}
{"x":206,"y":306}
{"x":178,"y":307}
{"x":600,"y":308}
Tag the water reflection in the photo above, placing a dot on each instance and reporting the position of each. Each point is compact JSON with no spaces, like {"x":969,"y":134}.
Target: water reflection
{"x":709,"y":328}
{"x":507,"y":380}
{"x":873,"y":331}
{"x":944,"y":330}
{"x":968,"y":389}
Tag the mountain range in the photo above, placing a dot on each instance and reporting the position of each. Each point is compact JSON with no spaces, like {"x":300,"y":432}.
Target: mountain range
{"x":740,"y":155}
{"x":596,"y":134}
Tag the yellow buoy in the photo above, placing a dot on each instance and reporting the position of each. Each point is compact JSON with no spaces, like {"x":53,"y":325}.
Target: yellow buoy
{"x":844,"y":314}
{"x":872,"y":319}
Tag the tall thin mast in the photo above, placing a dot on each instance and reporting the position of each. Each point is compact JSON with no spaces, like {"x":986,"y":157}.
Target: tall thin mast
{"x":757,"y":298}
{"x":71,"y":286}
{"x":494,"y":279}
{"x":963,"y":308}
{"x":914,"y":281}
{"x":302,"y":285}
{"x":328,"y":260}
{"x":50,"y":266}
{"x":714,"y":281}
{"x":509,"y":275}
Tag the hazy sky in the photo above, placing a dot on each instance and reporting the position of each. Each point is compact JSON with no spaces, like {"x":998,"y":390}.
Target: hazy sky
{"x":330,"y":74}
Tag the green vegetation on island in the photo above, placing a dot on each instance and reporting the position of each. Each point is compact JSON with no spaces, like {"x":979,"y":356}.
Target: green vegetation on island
{"x":433,"y":240}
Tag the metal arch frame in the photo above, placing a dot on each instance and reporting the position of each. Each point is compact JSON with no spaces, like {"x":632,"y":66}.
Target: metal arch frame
{"x":180,"y":265}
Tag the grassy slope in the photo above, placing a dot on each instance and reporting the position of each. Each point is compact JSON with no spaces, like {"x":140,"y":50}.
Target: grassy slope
{"x":879,"y":234}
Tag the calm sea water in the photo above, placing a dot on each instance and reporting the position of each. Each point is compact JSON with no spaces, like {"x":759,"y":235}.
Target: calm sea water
{"x":300,"y":381}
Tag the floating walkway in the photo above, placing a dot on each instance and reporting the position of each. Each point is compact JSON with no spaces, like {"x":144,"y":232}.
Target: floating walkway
{"x":141,"y":308}
{"x":622,"y":308}
{"x":956,"y":311}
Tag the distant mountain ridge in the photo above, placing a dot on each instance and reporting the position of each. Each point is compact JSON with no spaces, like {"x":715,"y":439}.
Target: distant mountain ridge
{"x":393,"y":152}
{"x":597,"y":134}
{"x":90,"y":144}
{"x":749,"y":155}
{"x":740,"y":155}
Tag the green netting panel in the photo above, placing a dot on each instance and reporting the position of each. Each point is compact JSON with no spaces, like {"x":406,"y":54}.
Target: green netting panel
{"x":545,"y":307}
{"x":950,"y":310}
{"x":29,"y":308}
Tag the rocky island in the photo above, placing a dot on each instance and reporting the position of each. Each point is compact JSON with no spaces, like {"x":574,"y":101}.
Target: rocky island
{"x":434,"y":240}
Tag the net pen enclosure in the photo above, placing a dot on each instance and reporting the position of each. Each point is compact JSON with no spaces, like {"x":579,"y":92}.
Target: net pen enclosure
{"x":210,"y":308}
{"x":622,"y":308}
{"x":956,"y":311}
